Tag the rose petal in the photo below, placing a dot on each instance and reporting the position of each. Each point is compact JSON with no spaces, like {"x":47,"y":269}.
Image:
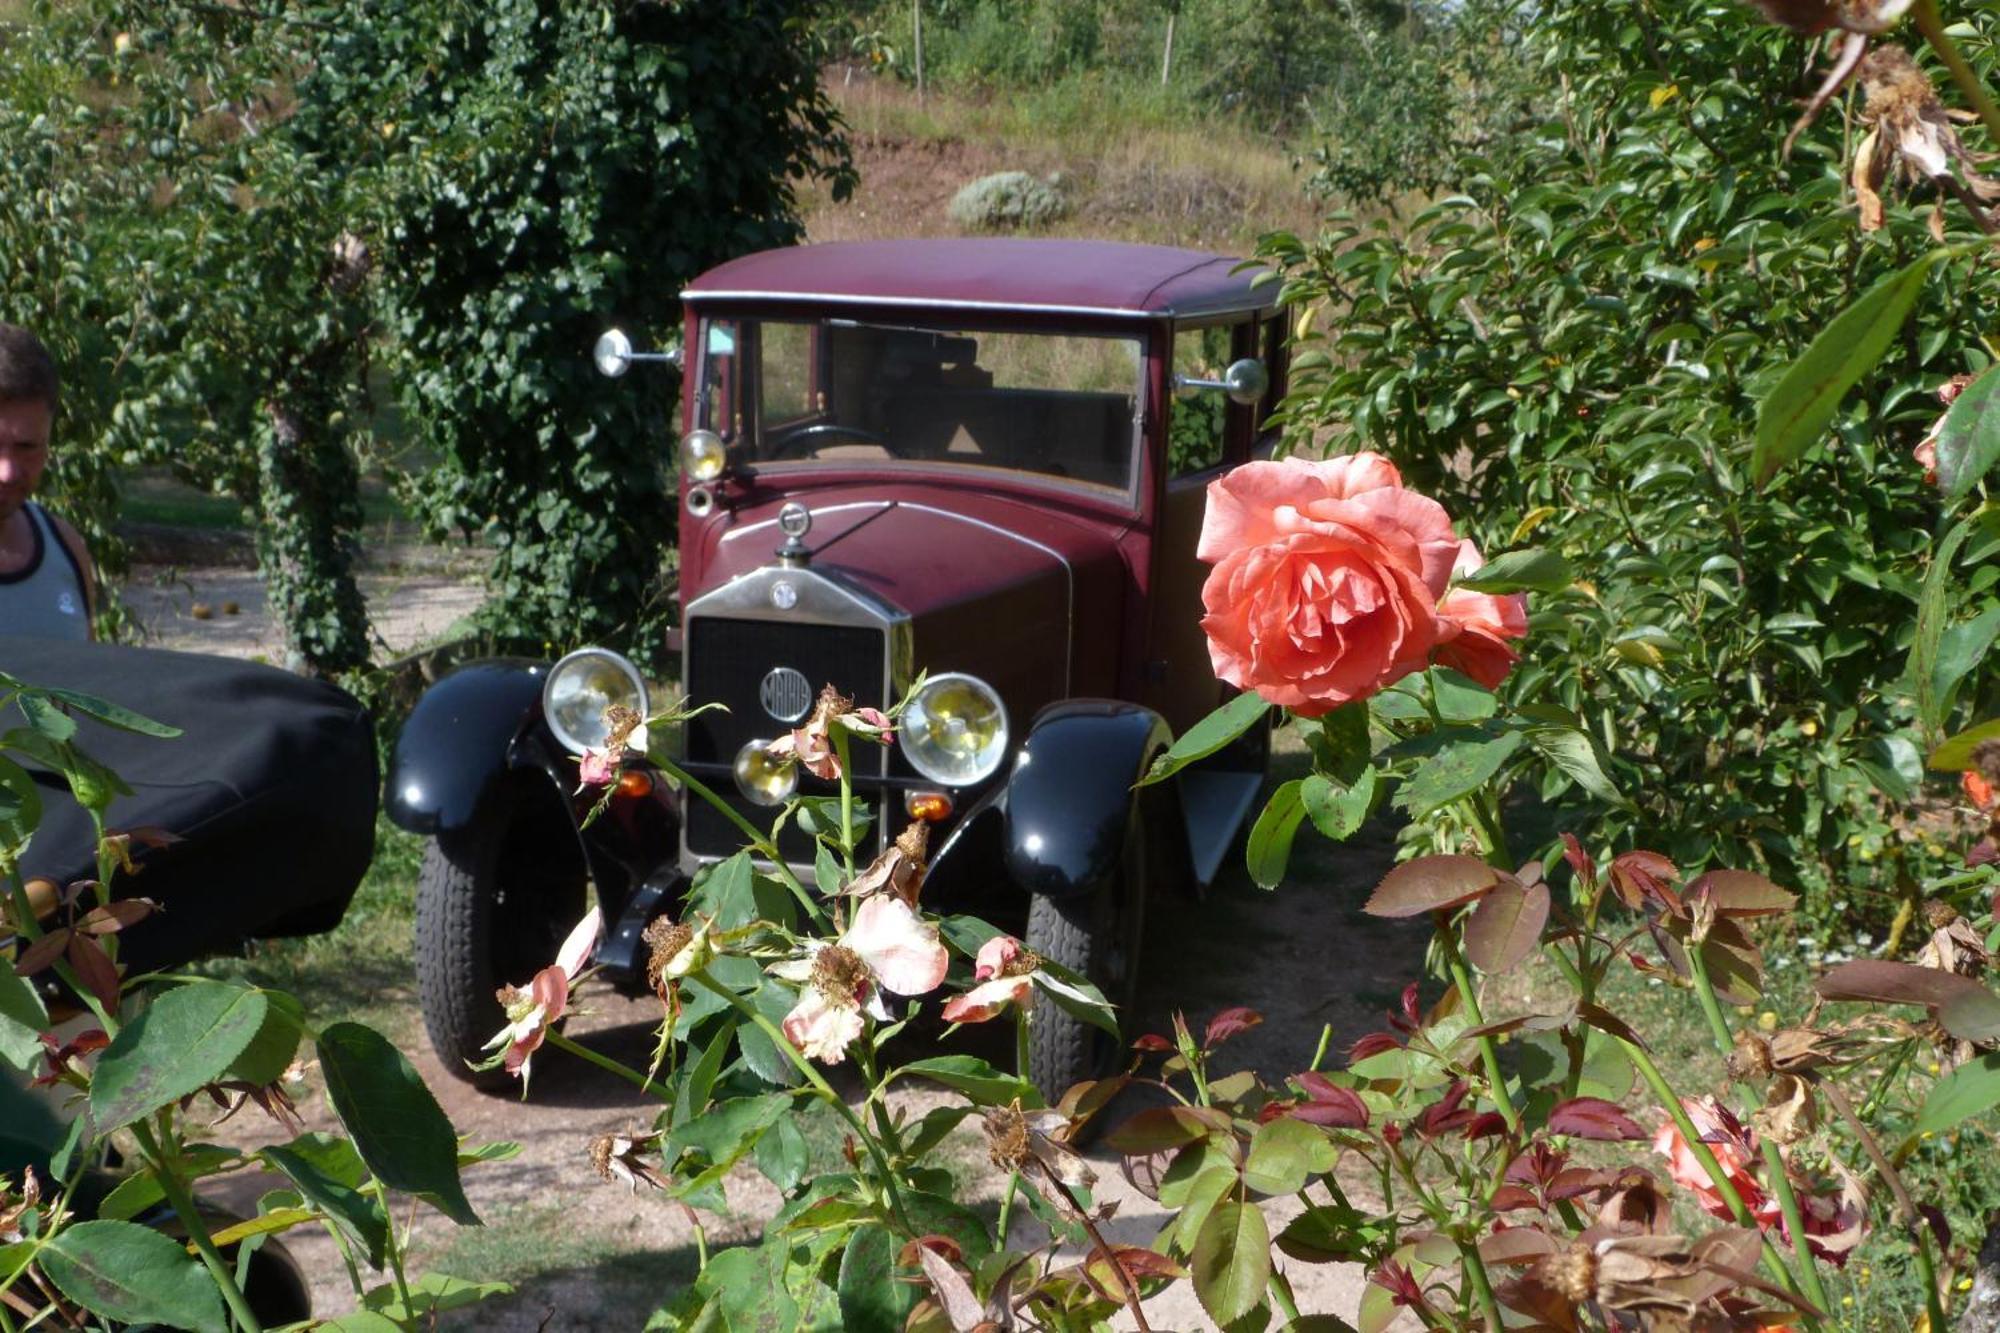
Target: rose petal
{"x":900,"y":948}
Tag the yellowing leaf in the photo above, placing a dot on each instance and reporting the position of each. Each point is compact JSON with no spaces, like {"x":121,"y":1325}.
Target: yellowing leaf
{"x":1534,"y":519}
{"x":1663,"y":94}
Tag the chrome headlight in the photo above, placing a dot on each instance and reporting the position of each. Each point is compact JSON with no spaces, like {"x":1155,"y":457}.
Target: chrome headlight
{"x":765,"y":778}
{"x":703,"y":455}
{"x":955,"y":730}
{"x":580,"y":687}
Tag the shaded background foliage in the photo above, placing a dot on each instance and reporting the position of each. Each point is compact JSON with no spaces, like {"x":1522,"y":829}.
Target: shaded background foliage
{"x":182,"y":226}
{"x":1572,"y":345}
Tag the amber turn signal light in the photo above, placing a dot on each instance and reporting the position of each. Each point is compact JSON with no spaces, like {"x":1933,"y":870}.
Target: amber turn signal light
{"x":633,"y":782}
{"x":929,"y":806}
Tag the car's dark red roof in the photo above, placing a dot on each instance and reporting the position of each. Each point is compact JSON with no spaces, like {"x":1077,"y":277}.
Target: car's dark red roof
{"x":1088,"y":277}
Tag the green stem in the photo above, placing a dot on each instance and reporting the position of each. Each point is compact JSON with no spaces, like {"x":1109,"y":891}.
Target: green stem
{"x":700,"y":1246}
{"x":1006,"y":1209}
{"x":1774,"y":1158}
{"x":1281,"y":1292}
{"x":1482,"y":1286}
{"x":1703,"y":1154}
{"x":1927,"y":1267}
{"x":1931,"y":24}
{"x":394,"y":1249}
{"x":1489,"y":1050}
{"x":609,"y":1065}
{"x":846,"y":798}
{"x":1021,"y":1041}
{"x":190,"y":1216}
{"x":821,"y":1086}
{"x":759,"y":842}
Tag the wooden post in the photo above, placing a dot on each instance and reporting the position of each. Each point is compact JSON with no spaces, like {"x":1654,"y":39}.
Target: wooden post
{"x":917,"y":28}
{"x":1167,"y":59}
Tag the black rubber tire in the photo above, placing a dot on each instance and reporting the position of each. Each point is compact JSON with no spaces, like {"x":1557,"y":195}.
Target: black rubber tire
{"x":1101,"y":939}
{"x":494,"y":902}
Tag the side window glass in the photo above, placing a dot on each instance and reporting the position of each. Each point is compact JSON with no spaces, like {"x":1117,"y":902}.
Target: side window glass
{"x":785,"y":367}
{"x":1196,"y":419}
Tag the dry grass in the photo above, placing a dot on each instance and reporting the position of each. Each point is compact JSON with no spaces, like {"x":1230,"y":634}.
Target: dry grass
{"x":1133,"y":167}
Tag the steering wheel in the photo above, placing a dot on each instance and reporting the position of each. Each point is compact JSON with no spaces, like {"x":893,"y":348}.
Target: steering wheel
{"x":806,"y":439}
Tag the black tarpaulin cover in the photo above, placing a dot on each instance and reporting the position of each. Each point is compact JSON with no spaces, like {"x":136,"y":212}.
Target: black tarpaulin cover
{"x":271,"y":789}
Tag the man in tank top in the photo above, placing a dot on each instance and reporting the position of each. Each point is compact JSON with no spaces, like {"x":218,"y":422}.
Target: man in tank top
{"x":46,"y":586}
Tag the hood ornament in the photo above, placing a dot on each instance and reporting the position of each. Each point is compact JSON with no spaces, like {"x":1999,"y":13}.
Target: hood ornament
{"x":795,"y":521}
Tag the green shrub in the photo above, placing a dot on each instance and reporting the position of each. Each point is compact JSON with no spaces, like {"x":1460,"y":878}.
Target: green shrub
{"x":1574,"y":343}
{"x":1007,"y":201}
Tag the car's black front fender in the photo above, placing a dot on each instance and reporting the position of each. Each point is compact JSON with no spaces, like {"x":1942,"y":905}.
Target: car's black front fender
{"x":459,"y":740}
{"x":1070,"y":797}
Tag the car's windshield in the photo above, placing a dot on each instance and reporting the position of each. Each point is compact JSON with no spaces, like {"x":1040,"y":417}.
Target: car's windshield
{"x":1057,"y":405}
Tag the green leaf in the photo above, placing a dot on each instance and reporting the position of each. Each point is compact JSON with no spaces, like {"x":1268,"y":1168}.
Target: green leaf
{"x":1797,"y":412}
{"x":1285,"y":1153}
{"x":186,"y":1037}
{"x":396,"y":1124}
{"x":1207,"y":736}
{"x":972,"y":1076}
{"x":20,"y":805}
{"x":1454,"y":773}
{"x":783,"y":1155}
{"x":1961,"y":648}
{"x":1973,"y":1015}
{"x":1968,"y":441}
{"x":1270,"y":844}
{"x":1340,"y":746}
{"x":933,"y":1212}
{"x":22,"y":1020}
{"x":46,"y":718}
{"x":1932,"y":609}
{"x":271,"y":1051}
{"x":113,"y":715}
{"x":714,"y":1142}
{"x":134,"y":1275}
{"x":1956,"y":753}
{"x":1338,"y":813}
{"x":871,"y":1299}
{"x":1577,"y":753}
{"x":1076,"y":996}
{"x":430,"y":1294}
{"x":1232,"y":1261}
{"x":328,"y":1173}
{"x":1970,"y":1090}
{"x":1520,"y":571}
{"x":691,"y":1098}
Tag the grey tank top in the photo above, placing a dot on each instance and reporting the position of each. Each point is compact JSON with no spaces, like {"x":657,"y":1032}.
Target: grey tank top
{"x":45,"y":597}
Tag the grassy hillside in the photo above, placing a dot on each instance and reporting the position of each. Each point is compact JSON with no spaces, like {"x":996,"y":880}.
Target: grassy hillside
{"x":1130,"y":168}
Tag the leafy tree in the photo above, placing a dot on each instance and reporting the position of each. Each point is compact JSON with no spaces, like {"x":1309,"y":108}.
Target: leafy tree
{"x":537,"y":172}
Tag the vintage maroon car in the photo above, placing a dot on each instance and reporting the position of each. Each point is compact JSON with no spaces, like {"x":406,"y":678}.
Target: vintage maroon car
{"x":980,"y":459}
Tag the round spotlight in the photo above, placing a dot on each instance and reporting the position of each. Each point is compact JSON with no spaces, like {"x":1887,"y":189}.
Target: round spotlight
{"x":955,"y":730}
{"x":613,"y":354}
{"x":703,"y":455}
{"x":762,"y":777}
{"x":581,"y":687}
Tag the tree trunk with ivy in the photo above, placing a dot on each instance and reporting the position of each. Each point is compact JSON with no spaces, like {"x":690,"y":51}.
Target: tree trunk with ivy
{"x":309,"y":511}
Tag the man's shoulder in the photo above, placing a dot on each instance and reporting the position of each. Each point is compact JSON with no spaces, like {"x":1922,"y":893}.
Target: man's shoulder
{"x":71,"y":538}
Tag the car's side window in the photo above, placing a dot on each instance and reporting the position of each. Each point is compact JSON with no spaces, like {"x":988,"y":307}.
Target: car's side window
{"x":1197,"y":426}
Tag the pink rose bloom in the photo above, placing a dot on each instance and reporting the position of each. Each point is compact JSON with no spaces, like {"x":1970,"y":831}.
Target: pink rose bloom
{"x":1477,"y":625}
{"x":1005,"y":972}
{"x":531,"y":1012}
{"x":1326,"y":581}
{"x":595,"y":768}
{"x":886,"y":947}
{"x":1730,"y":1142}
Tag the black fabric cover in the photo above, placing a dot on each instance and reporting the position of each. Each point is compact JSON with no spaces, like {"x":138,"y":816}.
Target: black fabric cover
{"x":272,"y":789}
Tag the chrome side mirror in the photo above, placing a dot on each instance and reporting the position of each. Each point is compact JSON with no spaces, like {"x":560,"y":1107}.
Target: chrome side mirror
{"x":1245,"y":381}
{"x":614,"y":355}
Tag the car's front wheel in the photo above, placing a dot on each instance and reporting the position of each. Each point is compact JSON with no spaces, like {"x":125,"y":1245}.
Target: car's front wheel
{"x":494,"y":902}
{"x":1100,"y":939}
